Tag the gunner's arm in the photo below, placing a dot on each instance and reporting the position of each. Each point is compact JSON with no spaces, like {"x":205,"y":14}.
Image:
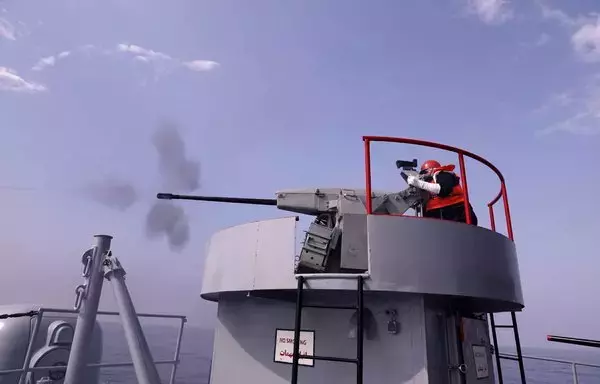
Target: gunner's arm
{"x":442,"y":184}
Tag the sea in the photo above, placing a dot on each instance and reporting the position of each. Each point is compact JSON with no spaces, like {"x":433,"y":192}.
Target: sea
{"x":196,"y":350}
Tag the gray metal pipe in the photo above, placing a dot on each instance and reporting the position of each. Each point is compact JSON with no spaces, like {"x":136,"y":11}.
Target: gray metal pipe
{"x":86,"y":318}
{"x":145,"y":370}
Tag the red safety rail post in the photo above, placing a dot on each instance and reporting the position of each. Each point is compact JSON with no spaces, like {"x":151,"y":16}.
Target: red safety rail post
{"x":463,"y":173}
{"x":502,"y":194}
{"x":461,"y":154}
{"x":491,"y":210}
{"x":509,"y":229}
{"x":368,"y":175}
{"x":492,"y":221}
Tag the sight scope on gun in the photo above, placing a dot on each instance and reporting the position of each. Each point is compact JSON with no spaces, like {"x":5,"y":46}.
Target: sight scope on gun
{"x":406,"y":165}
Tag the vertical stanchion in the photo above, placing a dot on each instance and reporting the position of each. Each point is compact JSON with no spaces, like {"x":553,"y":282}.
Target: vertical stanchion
{"x":143,"y":363}
{"x":575,"y":375}
{"x":368,"y":192}
{"x":87,"y":300}
{"x":508,"y":219}
{"x":29,"y":352}
{"x":463,"y":172}
{"x":492,"y":219}
{"x":360,"y":333}
{"x":178,"y":350}
{"x":297,"y":327}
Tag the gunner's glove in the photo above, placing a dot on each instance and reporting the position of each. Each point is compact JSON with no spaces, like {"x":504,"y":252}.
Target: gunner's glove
{"x":429,"y":187}
{"x":414,"y":181}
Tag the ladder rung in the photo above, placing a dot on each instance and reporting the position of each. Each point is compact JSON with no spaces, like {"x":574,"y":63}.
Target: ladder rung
{"x":329,"y":306}
{"x":358,"y":360}
{"x":331,"y":358}
{"x":503,"y":326}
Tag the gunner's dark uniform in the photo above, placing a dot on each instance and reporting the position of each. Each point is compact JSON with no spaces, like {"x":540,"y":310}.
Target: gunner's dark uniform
{"x":448,"y":204}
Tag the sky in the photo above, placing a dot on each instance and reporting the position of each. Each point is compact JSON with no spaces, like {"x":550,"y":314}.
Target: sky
{"x":270,"y":95}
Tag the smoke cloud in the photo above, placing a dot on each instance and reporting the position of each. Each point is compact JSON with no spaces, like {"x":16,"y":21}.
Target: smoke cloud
{"x":116,"y":194}
{"x":165,"y":218}
{"x":178,"y":174}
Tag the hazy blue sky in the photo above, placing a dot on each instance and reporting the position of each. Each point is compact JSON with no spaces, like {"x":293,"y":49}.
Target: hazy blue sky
{"x":276,"y":94}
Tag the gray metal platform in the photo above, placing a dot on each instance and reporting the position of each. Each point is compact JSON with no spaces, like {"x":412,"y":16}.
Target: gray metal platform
{"x":475,"y":267}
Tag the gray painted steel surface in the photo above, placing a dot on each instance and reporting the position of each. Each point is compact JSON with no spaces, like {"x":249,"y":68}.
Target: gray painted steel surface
{"x":312,"y":201}
{"x":443,"y":257}
{"x":354,"y":252}
{"x":244,"y":346}
{"x":476,"y":266}
{"x":476,"y":345}
{"x":420,"y":352}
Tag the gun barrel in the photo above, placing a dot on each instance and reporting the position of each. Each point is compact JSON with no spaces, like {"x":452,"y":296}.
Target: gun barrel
{"x":572,"y":340}
{"x":219,"y":199}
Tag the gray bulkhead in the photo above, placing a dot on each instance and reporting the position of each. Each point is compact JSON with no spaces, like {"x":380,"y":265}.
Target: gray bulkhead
{"x":423,"y":270}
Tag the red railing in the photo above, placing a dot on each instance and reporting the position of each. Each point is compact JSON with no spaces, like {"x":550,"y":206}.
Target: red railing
{"x":461,"y":161}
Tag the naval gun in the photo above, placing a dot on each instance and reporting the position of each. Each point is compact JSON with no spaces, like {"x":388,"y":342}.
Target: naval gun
{"x":321,"y":250}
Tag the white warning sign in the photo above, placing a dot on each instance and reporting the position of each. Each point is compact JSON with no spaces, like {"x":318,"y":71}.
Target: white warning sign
{"x":481,"y":361}
{"x":284,"y":346}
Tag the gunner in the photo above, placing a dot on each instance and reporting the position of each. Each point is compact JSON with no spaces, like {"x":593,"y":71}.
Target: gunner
{"x":446,"y":199}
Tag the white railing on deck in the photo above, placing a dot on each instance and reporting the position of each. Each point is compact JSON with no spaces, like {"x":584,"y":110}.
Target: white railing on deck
{"x":574,"y":364}
{"x":40,"y":313}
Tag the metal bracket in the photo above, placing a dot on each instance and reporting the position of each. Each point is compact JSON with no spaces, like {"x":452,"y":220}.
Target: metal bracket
{"x":462,"y":368}
{"x":111,"y":264}
{"x":86,"y":260}
{"x":392,"y":326}
{"x":82,"y":289}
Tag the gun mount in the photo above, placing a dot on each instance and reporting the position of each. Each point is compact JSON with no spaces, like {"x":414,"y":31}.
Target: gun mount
{"x":436,"y":283}
{"x":321,"y":250}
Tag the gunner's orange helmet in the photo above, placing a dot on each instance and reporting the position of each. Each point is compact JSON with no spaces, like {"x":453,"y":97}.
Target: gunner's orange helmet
{"x":430,"y":165}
